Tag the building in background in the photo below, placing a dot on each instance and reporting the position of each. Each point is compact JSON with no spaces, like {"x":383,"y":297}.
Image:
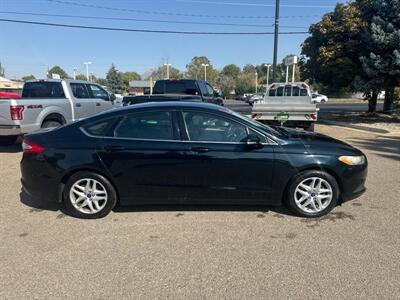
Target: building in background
{"x":10,"y":86}
{"x":140,"y":87}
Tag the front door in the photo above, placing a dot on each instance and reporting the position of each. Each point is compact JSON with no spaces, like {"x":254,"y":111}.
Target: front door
{"x":220,"y":165}
{"x":83,"y":103}
{"x":100,"y":97}
{"x":145,"y":157}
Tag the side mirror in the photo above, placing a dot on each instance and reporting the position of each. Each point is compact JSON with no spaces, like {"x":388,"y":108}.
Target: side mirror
{"x":113,"y":98}
{"x":253,"y":141}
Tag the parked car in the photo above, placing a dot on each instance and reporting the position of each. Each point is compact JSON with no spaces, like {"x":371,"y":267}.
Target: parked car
{"x":288,"y":104}
{"x":171,"y":88}
{"x":7,"y":95}
{"x":50,"y":103}
{"x":187,"y":152}
{"x":255,"y":98}
{"x":318,"y":98}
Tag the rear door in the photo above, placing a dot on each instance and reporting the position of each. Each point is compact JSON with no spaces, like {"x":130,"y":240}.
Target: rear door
{"x":144,"y":155}
{"x":100,"y":96}
{"x":219,"y":164}
{"x":84,"y":105}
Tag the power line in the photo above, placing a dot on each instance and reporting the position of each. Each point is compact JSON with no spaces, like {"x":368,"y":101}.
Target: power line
{"x":146,"y":30}
{"x":172,"y":13}
{"x":141,"y":20}
{"x":253,"y":4}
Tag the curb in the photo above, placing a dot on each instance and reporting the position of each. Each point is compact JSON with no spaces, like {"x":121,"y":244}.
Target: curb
{"x":359,"y":127}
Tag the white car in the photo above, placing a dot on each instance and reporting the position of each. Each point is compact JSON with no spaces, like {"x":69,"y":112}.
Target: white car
{"x":318,"y":98}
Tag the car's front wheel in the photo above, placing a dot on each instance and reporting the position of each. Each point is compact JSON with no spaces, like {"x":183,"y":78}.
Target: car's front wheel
{"x":89,"y":195}
{"x":312,"y":194}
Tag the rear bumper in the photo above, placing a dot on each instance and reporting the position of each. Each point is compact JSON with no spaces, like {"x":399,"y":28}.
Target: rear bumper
{"x":6,"y":130}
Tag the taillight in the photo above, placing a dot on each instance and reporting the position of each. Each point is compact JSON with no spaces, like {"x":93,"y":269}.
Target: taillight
{"x":313,"y":116}
{"x":16,"y":112}
{"x":31,"y":147}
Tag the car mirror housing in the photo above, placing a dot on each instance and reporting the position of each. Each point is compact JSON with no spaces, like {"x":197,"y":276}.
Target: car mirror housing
{"x":113,"y":97}
{"x":253,"y":141}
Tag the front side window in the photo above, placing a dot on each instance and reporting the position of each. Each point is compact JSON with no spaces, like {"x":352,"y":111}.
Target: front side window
{"x":295,"y":91}
{"x":210,"y":90}
{"x":150,"y":125}
{"x":303,"y":92}
{"x":207,"y":127}
{"x":271,"y":93}
{"x":79,"y":90}
{"x":98,"y":92}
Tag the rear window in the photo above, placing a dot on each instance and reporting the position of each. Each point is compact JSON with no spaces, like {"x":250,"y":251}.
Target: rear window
{"x":175,"y":87}
{"x":43,"y":90}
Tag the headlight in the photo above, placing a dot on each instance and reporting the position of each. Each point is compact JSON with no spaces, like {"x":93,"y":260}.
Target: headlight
{"x":353,"y":160}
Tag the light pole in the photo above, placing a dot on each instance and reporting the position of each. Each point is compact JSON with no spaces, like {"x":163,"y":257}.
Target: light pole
{"x":205,"y":70}
{"x":256,"y":82}
{"x":87,"y":63}
{"x":74,"y":73}
{"x":167,"y":65}
{"x":276,"y":34}
{"x":268,"y":66}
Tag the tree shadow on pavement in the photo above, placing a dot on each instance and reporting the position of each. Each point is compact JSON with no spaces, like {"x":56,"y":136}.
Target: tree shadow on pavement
{"x":385,"y":146}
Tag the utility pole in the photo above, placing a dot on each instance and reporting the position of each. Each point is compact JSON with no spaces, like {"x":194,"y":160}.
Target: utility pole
{"x":294,"y":71}
{"x":275,"y":40}
{"x":287,"y":73}
{"x":167,"y":65}
{"x":74,"y":73}
{"x":205,"y":70}
{"x":87,"y":63}
{"x":268,"y":66}
{"x":256,"y":82}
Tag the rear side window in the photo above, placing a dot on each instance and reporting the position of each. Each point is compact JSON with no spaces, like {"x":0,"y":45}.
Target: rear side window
{"x":43,"y":89}
{"x":279,"y":91}
{"x":176,"y":87}
{"x":295,"y":91}
{"x":79,"y":90}
{"x":151,"y":125}
{"x":100,"y":128}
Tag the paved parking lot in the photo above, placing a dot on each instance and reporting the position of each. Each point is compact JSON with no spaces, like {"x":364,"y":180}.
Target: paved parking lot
{"x":205,"y":252}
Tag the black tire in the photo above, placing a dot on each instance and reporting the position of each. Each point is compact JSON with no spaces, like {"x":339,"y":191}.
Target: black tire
{"x":8,"y":140}
{"x":109,"y":204}
{"x":310,"y":127}
{"x":290,"y":202}
{"x":51,"y":124}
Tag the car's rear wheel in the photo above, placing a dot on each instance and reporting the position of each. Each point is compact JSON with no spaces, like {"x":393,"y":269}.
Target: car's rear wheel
{"x":89,"y":195}
{"x":8,"y":140}
{"x":312,"y":194}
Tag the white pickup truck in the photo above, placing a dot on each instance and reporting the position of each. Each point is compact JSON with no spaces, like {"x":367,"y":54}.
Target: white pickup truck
{"x":288,"y":104}
{"x":50,"y":103}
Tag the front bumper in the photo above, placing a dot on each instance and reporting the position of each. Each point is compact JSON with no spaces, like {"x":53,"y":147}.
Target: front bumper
{"x":353,"y":182}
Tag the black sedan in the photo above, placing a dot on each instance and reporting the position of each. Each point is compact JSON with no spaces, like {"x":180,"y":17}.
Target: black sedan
{"x":186,"y":152}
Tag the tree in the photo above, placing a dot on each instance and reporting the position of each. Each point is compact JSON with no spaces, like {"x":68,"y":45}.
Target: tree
{"x":81,"y":77}
{"x":114,"y":80}
{"x":57,"y":70}
{"x":195,"y":69}
{"x":381,"y":64}
{"x":28,"y":77}
{"x":231,"y":70}
{"x":245,"y":83}
{"x":227,"y":85}
{"x":102,"y":81}
{"x":128,"y":77}
{"x":161,"y":73}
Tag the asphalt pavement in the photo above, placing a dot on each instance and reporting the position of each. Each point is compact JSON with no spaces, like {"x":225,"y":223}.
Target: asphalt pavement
{"x":206,"y":252}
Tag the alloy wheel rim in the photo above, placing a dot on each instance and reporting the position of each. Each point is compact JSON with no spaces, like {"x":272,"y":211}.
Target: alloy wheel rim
{"x":88,"y":196}
{"x":313,"y":195}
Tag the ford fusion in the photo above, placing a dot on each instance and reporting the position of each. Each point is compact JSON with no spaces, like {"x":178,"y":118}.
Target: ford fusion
{"x":195,"y":153}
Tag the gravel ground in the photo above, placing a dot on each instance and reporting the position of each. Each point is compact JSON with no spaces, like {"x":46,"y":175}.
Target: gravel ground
{"x":203,"y":252}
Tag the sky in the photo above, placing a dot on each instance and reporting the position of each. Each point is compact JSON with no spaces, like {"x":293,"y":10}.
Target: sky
{"x":31,"y":49}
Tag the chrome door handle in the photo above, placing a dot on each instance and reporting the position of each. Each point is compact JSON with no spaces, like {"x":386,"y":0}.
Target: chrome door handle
{"x":198,"y":149}
{"x":78,"y":105}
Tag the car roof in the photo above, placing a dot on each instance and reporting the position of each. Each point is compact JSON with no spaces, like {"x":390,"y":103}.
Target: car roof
{"x":175,"y":105}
